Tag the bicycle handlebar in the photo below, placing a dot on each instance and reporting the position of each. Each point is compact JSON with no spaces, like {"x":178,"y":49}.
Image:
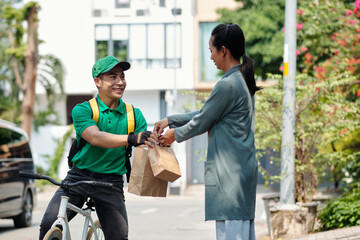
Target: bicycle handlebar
{"x":63,"y":184}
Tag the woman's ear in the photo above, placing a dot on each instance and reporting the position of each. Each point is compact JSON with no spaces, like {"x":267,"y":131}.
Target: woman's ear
{"x":223,"y":49}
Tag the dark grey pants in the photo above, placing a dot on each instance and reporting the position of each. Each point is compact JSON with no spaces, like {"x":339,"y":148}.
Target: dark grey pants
{"x":235,"y":230}
{"x":109,"y":203}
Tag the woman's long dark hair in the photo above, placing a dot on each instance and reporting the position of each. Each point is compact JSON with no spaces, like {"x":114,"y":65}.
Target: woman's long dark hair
{"x":232,"y":37}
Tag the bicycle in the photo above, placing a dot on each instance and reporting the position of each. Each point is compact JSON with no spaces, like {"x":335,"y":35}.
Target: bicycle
{"x":60,"y":229}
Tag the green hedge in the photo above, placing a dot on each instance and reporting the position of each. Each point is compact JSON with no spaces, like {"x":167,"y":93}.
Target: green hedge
{"x":342,"y":212}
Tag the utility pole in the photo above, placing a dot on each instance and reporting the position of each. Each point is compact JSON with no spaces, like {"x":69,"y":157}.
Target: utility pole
{"x":175,"y":88}
{"x":287,"y":184}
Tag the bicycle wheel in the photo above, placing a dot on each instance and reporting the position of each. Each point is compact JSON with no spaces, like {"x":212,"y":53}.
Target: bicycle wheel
{"x":98,"y":230}
{"x":53,"y":234}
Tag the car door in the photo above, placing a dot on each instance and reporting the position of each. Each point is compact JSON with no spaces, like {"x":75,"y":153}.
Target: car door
{"x":14,"y":156}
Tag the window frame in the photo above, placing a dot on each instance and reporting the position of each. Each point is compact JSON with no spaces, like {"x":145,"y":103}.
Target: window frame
{"x":166,"y":61}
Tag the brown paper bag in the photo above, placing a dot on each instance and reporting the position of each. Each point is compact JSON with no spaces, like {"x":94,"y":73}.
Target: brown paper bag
{"x":142,"y":181}
{"x":163,"y":163}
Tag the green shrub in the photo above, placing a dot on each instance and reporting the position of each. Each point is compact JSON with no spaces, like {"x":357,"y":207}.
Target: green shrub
{"x":341,"y":212}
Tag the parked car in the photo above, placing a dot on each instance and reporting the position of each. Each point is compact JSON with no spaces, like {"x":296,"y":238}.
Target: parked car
{"x":17,"y":195}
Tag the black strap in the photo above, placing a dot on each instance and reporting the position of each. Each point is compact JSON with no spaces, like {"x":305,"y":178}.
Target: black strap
{"x":127,"y":162}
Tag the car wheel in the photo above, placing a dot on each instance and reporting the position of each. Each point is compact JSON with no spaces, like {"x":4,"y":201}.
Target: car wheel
{"x":24,"y":219}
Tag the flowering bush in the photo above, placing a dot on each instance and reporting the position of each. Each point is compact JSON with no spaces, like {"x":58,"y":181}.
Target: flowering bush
{"x":327,"y":96}
{"x":317,"y":125}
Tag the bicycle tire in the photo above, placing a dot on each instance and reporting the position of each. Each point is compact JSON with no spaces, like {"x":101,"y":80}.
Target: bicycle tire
{"x":53,"y":234}
{"x":98,"y":230}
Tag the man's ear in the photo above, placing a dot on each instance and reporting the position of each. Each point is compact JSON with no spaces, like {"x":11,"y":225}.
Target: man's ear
{"x":97,"y":81}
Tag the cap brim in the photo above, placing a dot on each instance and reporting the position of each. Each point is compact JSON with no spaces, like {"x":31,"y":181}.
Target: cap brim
{"x":124,"y":65}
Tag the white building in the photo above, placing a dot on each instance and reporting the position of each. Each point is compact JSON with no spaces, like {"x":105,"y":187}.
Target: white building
{"x":164,"y":62}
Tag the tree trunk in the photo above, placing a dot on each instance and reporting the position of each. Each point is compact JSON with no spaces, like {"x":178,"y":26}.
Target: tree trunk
{"x":31,"y":63}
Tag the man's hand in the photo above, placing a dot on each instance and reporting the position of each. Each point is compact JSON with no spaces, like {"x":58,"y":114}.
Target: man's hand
{"x":138,"y":138}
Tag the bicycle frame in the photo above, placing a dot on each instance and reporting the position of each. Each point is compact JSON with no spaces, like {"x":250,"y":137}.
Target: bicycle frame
{"x":63,"y":221}
{"x":64,"y":205}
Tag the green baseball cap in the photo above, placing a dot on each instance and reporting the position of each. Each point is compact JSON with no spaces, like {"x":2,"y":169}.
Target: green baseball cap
{"x":107,"y":63}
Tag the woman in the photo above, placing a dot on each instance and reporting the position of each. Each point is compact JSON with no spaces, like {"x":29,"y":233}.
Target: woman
{"x":231,"y":169}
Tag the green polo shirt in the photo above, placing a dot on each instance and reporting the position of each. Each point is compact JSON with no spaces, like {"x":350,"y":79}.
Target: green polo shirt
{"x":97,"y":159}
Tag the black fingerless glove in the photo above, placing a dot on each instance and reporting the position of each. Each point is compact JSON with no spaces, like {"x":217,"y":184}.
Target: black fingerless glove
{"x":138,"y":138}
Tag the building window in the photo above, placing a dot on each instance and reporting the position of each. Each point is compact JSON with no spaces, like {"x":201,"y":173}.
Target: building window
{"x":122,"y":3}
{"x":172,"y":40}
{"x":102,"y":34}
{"x":120,"y":41}
{"x":137,"y":45}
{"x":162,"y":3}
{"x":156,"y":46}
{"x":208,"y":70}
{"x":143,"y":45}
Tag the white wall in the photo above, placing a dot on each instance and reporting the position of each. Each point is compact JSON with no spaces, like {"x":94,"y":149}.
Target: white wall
{"x":44,"y":142}
{"x":67,"y":31}
{"x":147,"y":101}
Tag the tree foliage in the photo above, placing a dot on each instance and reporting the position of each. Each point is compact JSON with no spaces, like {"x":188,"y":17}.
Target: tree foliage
{"x":317,"y":126}
{"x":327,"y":97}
{"x":262,"y":22}
{"x":22,"y":65}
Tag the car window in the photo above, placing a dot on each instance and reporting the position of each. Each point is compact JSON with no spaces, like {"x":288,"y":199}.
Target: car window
{"x":13,"y":144}
{"x":4,"y":143}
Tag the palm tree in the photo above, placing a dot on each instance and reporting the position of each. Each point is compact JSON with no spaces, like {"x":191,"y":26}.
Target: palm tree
{"x":27,"y":66}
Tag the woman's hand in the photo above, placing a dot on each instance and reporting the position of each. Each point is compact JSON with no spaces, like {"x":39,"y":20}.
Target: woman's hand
{"x":168,"y":138}
{"x":160,"y":125}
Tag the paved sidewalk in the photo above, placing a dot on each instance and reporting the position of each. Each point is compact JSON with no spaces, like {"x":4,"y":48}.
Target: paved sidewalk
{"x":351,"y":233}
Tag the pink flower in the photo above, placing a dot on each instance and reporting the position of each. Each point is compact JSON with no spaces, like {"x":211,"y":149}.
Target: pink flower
{"x":349,"y":12}
{"x":334,"y":36}
{"x":297,"y":52}
{"x":357,"y":3}
{"x":336,"y":52}
{"x":343,"y":131}
{"x":283,"y":29}
{"x":281,"y":68}
{"x":299,"y":26}
{"x":343,"y":42}
{"x":308,"y":57}
{"x":304,"y":49}
{"x":353,"y":22}
{"x":299,"y":11}
{"x":351,"y":61}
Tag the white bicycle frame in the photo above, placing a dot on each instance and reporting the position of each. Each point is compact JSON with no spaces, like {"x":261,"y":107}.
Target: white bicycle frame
{"x":63,"y":221}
